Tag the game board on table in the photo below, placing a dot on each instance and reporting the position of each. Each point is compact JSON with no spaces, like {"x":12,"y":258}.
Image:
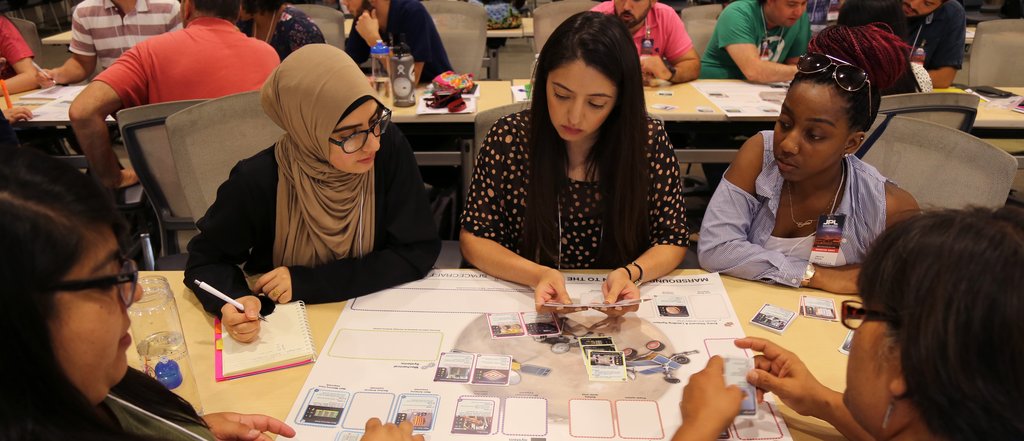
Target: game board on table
{"x":465,"y":356}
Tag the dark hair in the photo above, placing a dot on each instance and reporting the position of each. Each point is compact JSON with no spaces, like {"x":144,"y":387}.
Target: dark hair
{"x":257,"y":6}
{"x":889,"y":13}
{"x":226,"y":9}
{"x":953,"y":278}
{"x":865,"y":12}
{"x":49,"y":209}
{"x":617,"y":159}
{"x":880,"y":53}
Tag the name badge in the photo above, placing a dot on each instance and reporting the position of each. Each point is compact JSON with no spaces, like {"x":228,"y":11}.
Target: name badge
{"x":827,"y":239}
{"x":765,"y":51}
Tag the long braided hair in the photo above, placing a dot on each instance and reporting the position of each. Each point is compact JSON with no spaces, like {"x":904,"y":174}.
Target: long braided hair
{"x":873,"y":48}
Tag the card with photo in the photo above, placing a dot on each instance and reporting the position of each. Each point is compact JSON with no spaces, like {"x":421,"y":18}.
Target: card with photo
{"x":606,"y":366}
{"x":474,"y":417}
{"x":505,"y":325}
{"x":845,"y":347}
{"x":596,"y":341}
{"x":672,"y":305}
{"x":492,"y":369}
{"x":773,"y":318}
{"x":541,"y":323}
{"x":821,"y":308}
{"x":454,"y":367}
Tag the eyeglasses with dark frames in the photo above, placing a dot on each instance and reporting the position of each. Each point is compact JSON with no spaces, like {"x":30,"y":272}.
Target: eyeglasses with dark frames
{"x":854,"y":314}
{"x":356,"y":141}
{"x":125,"y":280}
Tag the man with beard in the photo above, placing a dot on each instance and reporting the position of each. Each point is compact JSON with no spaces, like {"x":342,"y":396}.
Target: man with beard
{"x":757,"y":40}
{"x":938,"y":26}
{"x":669,"y":54}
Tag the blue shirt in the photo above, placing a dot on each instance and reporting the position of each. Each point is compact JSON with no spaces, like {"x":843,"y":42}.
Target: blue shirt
{"x":407,"y":17}
{"x":942,"y":35}
{"x":737,"y":224}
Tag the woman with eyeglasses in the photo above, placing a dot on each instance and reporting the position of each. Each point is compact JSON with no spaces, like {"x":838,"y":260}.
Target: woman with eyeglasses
{"x":334,"y":210}
{"x":936,"y":343}
{"x":764,"y":218}
{"x":65,"y":299}
{"x":583,"y":179}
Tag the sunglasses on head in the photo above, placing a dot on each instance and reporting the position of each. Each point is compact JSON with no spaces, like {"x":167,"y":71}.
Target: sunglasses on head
{"x":847,"y":76}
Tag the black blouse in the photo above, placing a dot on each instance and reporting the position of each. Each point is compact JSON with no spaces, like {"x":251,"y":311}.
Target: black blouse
{"x":238,"y":229}
{"x":496,"y":203}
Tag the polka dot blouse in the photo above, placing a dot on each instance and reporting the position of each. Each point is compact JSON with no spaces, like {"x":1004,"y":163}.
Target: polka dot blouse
{"x":496,"y":204}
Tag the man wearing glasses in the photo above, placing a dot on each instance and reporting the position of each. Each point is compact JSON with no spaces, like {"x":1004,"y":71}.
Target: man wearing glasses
{"x":757,"y":41}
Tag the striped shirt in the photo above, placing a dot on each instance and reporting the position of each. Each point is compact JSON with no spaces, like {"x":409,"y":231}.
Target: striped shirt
{"x":97,"y":29}
{"x":738,"y":224}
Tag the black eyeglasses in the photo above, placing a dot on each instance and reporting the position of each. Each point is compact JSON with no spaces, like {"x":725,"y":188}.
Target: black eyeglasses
{"x":854,"y":314}
{"x":849,"y":77}
{"x":355,"y":142}
{"x":126,"y":280}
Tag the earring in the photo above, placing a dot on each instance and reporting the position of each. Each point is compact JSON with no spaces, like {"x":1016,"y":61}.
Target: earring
{"x":846,"y":155}
{"x":888,"y":413}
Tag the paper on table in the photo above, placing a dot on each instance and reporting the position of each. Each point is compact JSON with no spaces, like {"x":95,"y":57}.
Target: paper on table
{"x":519,"y":94}
{"x":55,"y":92}
{"x":741,"y":99}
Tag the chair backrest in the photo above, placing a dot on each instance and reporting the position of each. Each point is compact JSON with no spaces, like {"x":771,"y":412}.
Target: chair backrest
{"x":701,"y":12}
{"x":700,"y":31}
{"x":330,"y":21}
{"x":30,"y":33}
{"x":996,"y":54}
{"x":954,"y":110}
{"x":145,"y":138}
{"x":942,"y":167}
{"x":481,"y":124}
{"x":463,"y":30}
{"x":547,"y":17}
{"x":208,"y":139}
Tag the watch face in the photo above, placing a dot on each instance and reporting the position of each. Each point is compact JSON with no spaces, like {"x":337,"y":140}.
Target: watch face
{"x":402,"y":87}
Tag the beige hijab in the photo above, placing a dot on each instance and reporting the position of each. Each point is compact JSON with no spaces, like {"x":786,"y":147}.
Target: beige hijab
{"x":323,"y":214}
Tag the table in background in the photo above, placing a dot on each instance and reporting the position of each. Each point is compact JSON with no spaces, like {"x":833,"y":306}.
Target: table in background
{"x":61,"y":39}
{"x":273,"y":393}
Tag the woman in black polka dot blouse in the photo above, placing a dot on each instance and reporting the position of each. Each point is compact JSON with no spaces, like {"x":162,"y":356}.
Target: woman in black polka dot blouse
{"x":593,"y":184}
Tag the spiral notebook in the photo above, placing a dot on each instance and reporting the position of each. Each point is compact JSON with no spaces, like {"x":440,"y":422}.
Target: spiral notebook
{"x":285,"y":341}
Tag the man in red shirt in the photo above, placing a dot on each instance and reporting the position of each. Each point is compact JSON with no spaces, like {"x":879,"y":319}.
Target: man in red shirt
{"x":210,"y":58}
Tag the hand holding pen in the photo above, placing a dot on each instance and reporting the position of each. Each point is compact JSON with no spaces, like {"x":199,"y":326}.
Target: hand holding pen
{"x":240,"y":317}
{"x":44,"y":77}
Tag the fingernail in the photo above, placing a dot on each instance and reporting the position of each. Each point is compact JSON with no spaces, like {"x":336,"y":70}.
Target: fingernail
{"x":253,"y":433}
{"x":752,"y":377}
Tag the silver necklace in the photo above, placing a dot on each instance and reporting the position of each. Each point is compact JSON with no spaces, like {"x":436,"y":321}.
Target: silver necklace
{"x":789,"y":192}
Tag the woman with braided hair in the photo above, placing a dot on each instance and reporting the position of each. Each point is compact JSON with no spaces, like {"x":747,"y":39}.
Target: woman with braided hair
{"x":787,"y":184}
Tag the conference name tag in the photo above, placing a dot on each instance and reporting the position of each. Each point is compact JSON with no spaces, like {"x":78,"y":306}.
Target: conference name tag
{"x":827,"y":239}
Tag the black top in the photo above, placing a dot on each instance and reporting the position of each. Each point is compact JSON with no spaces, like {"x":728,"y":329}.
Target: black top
{"x":407,"y":17}
{"x":496,"y":203}
{"x":239,"y":229}
{"x":942,"y":34}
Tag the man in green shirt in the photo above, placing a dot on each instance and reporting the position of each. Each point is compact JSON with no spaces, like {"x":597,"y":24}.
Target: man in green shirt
{"x":757,"y":40}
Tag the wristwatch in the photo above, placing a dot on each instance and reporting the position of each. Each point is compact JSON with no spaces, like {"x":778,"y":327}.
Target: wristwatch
{"x":808,"y":275}
{"x":671,"y":71}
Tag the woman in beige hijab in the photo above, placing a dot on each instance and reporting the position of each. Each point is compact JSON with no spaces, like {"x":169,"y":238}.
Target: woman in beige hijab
{"x":334,"y":210}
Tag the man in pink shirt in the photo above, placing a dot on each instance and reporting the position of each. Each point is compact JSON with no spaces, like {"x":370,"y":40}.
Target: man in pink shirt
{"x":210,"y":58}
{"x":670,"y":54}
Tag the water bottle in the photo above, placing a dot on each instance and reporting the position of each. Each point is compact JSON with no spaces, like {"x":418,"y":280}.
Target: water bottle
{"x":156,"y":330}
{"x":380,"y":55}
{"x":403,"y":75}
{"x":917,"y":57}
{"x":647,"y":51}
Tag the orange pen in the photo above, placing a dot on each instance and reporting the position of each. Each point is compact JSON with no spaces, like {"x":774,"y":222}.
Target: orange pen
{"x":7,"y":95}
